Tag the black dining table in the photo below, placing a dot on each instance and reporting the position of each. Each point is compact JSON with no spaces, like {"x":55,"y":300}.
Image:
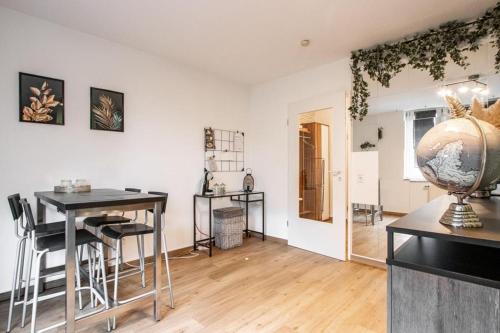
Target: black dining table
{"x":97,"y":202}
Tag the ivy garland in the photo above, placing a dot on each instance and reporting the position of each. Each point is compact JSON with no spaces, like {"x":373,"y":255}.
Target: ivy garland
{"x":427,"y":51}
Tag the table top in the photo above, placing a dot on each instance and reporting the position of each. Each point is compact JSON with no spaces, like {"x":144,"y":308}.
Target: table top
{"x":227,"y":194}
{"x":425,"y":222}
{"x":96,"y":198}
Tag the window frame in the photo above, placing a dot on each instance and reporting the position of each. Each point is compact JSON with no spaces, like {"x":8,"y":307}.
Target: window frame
{"x":410,"y":171}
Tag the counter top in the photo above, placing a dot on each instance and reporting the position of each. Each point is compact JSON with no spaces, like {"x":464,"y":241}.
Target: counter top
{"x":425,"y":222}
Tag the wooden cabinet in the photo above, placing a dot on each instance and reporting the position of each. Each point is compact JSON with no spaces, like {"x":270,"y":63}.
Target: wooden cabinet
{"x":445,"y":279}
{"x":423,"y":302}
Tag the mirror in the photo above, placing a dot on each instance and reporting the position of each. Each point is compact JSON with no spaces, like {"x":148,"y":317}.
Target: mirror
{"x":314,"y":165}
{"x":398,"y":117}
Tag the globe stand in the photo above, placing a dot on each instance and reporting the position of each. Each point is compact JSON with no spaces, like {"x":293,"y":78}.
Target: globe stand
{"x":460,"y":215}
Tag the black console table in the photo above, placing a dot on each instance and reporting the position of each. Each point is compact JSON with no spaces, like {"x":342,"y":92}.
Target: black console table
{"x":445,"y":279}
{"x":245,"y":197}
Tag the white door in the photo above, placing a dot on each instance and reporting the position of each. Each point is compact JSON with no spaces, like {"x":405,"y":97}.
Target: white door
{"x":323,"y":237}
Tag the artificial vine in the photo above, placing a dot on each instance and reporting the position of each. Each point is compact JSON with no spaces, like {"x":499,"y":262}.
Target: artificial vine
{"x":427,"y":51}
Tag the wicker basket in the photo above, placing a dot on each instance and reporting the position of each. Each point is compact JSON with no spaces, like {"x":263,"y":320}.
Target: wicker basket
{"x":228,"y":227}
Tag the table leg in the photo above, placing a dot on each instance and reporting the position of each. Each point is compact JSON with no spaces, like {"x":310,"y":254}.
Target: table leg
{"x":246,"y":215}
{"x":41,"y":217}
{"x":209,"y":227}
{"x":40,"y":212}
{"x":70,"y":271}
{"x":263,"y":219}
{"x":157,"y":260}
{"x":194,"y":223}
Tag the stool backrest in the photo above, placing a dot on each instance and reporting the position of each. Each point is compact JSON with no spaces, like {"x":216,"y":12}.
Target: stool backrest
{"x":163,"y":194}
{"x":30,"y":221}
{"x":15,"y":206}
{"x":131,"y":189}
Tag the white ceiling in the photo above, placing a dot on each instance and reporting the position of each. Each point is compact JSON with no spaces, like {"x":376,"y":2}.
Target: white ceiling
{"x":250,"y":41}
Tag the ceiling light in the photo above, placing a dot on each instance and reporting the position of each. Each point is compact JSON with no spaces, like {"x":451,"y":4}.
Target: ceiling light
{"x":445,"y":92}
{"x":305,"y":42}
{"x":471,"y":84}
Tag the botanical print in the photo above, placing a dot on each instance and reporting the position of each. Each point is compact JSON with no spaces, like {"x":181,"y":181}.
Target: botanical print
{"x":106,"y":110}
{"x":41,"y":99}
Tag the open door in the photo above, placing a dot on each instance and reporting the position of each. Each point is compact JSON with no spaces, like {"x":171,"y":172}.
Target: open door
{"x":317,"y":175}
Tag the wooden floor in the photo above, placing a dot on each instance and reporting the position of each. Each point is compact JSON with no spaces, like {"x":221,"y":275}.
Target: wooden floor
{"x":259,"y":287}
{"x":371,"y":240}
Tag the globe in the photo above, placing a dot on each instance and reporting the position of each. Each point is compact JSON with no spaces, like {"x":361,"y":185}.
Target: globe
{"x":449,"y":155}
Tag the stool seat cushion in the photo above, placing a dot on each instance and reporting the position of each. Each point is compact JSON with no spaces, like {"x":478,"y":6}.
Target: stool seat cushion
{"x":124,"y":230}
{"x":57,"y":242}
{"x":97,"y":221}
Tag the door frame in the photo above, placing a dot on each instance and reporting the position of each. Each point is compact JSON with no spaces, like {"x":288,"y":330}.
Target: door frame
{"x":338,"y":245}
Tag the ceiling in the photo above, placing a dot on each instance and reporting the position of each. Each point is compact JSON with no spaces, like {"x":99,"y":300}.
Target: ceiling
{"x":250,"y":41}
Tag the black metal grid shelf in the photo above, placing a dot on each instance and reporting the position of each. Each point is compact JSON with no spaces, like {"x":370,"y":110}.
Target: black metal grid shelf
{"x":228,"y":154}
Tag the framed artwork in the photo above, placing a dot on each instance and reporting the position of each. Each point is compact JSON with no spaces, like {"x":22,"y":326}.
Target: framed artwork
{"x":106,"y":110}
{"x":41,"y":99}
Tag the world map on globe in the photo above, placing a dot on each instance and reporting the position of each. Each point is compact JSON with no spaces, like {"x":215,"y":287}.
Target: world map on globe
{"x":449,"y":155}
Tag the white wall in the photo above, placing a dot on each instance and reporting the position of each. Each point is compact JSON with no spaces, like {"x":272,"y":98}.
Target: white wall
{"x":166,"y":107}
{"x":267,"y":147}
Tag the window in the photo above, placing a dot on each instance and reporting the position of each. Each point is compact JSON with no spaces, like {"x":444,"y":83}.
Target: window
{"x":417,"y":123}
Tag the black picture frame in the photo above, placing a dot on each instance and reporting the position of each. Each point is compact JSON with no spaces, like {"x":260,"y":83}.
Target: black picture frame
{"x":41,"y":99}
{"x":107,"y":110}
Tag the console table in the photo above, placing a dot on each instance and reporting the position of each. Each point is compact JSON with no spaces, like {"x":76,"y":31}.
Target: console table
{"x":445,"y":279}
{"x":245,"y":197}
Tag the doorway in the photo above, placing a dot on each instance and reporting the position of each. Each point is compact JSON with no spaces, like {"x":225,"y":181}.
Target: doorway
{"x":316,"y":169}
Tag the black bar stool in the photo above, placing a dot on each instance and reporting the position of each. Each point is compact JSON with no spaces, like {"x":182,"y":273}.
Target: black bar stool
{"x":118,"y":232}
{"x":97,"y":222}
{"x":22,"y":236}
{"x":40,"y":246}
{"x":164,"y":237}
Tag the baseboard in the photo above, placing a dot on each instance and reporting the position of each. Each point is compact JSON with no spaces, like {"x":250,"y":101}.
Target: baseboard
{"x":277,"y":240}
{"x":180,"y":252}
{"x":368,"y":261}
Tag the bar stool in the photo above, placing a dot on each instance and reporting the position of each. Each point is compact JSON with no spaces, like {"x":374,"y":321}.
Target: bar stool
{"x":40,"y":246}
{"x":164,"y":237}
{"x":118,"y":232}
{"x":22,"y":236}
{"x":97,"y":222}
